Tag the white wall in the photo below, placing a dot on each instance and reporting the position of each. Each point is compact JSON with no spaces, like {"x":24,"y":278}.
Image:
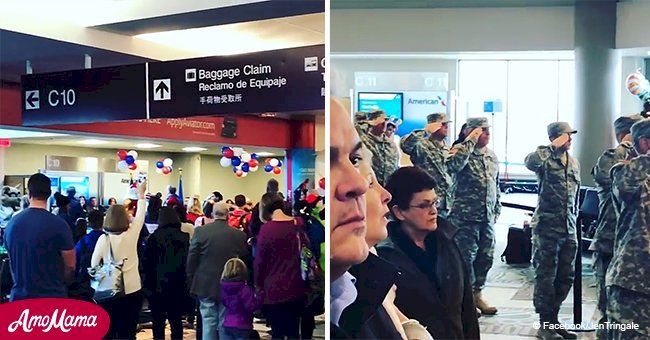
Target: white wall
{"x":202,"y":174}
{"x":632,"y":24}
{"x":452,"y":30}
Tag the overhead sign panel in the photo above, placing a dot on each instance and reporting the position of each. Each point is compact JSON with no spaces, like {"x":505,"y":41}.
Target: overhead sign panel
{"x":270,"y":81}
{"x":83,"y":96}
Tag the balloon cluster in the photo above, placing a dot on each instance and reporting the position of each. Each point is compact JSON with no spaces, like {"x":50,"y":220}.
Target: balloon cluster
{"x":321,"y":187}
{"x":638,"y":85}
{"x":273,"y":164}
{"x":164,"y":166}
{"x":241,"y":161}
{"x":127,"y":160}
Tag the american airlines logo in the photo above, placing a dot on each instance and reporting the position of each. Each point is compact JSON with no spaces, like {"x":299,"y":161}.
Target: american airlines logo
{"x":437,"y":101}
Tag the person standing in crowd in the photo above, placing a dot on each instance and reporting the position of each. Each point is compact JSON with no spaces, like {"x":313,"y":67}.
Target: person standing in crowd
{"x":240,"y":218}
{"x":122,"y":238}
{"x":628,"y":281}
{"x":391,"y":132}
{"x":277,"y":270}
{"x":62,"y":210}
{"x":603,"y":242}
{"x":194,"y":211}
{"x":428,"y":151}
{"x":165,"y":280}
{"x":210,"y":248}
{"x":76,"y":209}
{"x":206,"y":218}
{"x":476,"y":204}
{"x":84,"y":251}
{"x":240,"y":301}
{"x":153,"y":210}
{"x":348,"y":208}
{"x":40,"y":247}
{"x":172,"y":198}
{"x":554,"y":226}
{"x":93,"y":204}
{"x":373,"y":134}
{"x":256,"y":223}
{"x":84,"y":206}
{"x":112,"y":201}
{"x":434,"y":287}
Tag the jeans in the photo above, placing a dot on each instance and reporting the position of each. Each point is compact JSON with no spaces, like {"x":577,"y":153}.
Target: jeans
{"x":212,"y":313}
{"x":236,"y":334}
{"x":285,"y":318}
{"x":124,"y":313}
{"x":166,"y":307}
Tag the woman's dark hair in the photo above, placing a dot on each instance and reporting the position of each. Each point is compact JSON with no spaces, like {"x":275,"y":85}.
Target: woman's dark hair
{"x":406,"y":182}
{"x":96,"y":219}
{"x":180,"y":211}
{"x":272,"y":185}
{"x":152,"y":210}
{"x":461,"y":135}
{"x":62,"y":202}
{"x":218,"y":197}
{"x":112,"y":199}
{"x":39,"y":187}
{"x":207,"y":210}
{"x":269,"y":203}
{"x":80,"y":227}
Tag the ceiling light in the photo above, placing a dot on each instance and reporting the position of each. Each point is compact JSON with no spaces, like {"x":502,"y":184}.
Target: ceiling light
{"x":93,"y":142}
{"x":268,"y":114}
{"x":9,"y":133}
{"x":147,"y":146}
{"x":264,"y":154}
{"x":194,"y":149}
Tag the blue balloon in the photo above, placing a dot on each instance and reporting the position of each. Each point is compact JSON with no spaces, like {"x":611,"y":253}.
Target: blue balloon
{"x":234,"y":169}
{"x":245,"y":167}
{"x":268,"y":168}
{"x":279,"y":163}
{"x":159,"y":165}
{"x":129,"y":159}
{"x":253,"y":156}
{"x":235,"y":161}
{"x":224,"y":148}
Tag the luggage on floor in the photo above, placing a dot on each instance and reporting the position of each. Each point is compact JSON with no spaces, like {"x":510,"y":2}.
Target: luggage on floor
{"x":519,"y":249}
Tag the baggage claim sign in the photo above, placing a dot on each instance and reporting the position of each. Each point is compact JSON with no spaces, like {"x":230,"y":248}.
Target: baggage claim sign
{"x":271,"y":81}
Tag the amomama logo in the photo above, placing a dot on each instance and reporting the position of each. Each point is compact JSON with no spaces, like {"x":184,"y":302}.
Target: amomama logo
{"x":52,"y":319}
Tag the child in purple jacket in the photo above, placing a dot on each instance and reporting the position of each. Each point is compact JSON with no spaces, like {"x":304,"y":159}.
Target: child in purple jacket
{"x":240,"y":301}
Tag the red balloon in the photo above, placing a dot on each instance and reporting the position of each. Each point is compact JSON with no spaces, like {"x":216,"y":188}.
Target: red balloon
{"x":166,"y":170}
{"x":321,"y":183}
{"x":268,"y":161}
{"x":133,"y":166}
{"x":121,"y":155}
{"x":253,"y":163}
{"x":277,"y":170}
{"x":239,"y":173}
{"x":228,"y":153}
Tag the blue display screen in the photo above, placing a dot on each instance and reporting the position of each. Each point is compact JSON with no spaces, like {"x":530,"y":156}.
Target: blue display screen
{"x":81,"y":185}
{"x":391,"y":103}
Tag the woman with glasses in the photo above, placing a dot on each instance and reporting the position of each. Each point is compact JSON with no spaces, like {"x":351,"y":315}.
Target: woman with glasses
{"x":434,"y":286}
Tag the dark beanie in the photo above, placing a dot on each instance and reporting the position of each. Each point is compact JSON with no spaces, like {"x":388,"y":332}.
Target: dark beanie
{"x":166,"y":216}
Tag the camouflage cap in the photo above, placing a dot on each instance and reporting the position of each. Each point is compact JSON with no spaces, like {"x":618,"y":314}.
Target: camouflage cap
{"x":558,"y":128}
{"x":437,"y":118}
{"x":623,"y":124}
{"x":479,"y":122}
{"x":359,"y":117}
{"x":641,"y":129}
{"x":375,"y":114}
{"x":394,"y":121}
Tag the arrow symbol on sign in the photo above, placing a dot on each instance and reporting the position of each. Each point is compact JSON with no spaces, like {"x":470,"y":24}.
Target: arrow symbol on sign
{"x":162,"y":88}
{"x":30,"y":99}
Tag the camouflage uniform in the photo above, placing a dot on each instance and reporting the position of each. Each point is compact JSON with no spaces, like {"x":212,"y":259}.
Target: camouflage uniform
{"x":554,"y":224}
{"x":431,"y":156}
{"x":628,"y":277}
{"x":475,"y":204}
{"x":603,"y":243}
{"x":385,"y":158}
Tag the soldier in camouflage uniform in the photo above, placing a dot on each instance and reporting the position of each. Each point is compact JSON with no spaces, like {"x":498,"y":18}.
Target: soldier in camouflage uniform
{"x":475,"y":204}
{"x":554,"y":226}
{"x":372,"y":132}
{"x":429,"y":152}
{"x":603,"y":243}
{"x":628,"y":276}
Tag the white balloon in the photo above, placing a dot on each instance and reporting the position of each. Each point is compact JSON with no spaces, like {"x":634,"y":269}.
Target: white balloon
{"x":238,"y":151}
{"x":274,"y":162}
{"x":244,"y":174}
{"x":133,"y":153}
{"x":251,"y":169}
{"x":158,"y":171}
{"x":225,"y":162}
{"x":121,"y":165}
{"x":245,"y":157}
{"x":168,"y":162}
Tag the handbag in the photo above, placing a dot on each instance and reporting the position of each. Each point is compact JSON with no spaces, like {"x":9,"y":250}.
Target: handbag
{"x":312,"y":274}
{"x":107,"y":278}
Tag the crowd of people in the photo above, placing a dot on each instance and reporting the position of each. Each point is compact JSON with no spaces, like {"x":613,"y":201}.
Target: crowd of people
{"x":428,"y":265}
{"x":215,"y":262}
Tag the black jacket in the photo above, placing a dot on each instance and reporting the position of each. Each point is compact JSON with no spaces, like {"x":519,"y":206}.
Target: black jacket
{"x":433,"y":288}
{"x":165,"y":257}
{"x":366,"y":317}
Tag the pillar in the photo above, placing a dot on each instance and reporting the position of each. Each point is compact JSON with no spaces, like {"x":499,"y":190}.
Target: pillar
{"x":597,"y":74}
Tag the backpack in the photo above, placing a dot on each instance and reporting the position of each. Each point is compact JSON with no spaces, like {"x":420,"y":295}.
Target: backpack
{"x":80,"y":288}
{"x":239,"y":222}
{"x":519,"y":248}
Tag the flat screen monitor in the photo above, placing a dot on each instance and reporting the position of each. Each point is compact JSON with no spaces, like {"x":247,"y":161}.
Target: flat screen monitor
{"x":80,"y":183}
{"x":390,"y":102}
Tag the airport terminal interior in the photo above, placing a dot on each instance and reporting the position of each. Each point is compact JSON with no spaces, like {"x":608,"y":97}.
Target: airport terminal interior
{"x":521,"y":65}
{"x":238,"y":103}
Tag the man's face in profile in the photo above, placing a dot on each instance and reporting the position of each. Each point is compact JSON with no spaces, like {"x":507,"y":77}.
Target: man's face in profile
{"x":348,"y":206}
